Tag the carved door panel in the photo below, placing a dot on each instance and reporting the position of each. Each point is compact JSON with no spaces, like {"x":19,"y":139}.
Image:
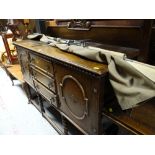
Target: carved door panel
{"x":24,"y":62}
{"x":79,"y":100}
{"x":74,"y":97}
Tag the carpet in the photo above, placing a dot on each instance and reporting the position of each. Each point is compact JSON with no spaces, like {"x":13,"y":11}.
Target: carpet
{"x":16,"y":115}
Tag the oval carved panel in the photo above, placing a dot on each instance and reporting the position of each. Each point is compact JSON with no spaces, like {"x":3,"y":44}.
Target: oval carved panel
{"x":74,"y":97}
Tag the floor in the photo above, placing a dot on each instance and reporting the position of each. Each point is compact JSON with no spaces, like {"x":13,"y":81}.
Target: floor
{"x":17,"y":117}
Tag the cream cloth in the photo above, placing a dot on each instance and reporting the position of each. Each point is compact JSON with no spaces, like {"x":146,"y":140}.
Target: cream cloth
{"x":133,"y":82}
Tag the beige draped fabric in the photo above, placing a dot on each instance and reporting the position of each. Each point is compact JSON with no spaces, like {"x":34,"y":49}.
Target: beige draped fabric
{"x":130,"y":80}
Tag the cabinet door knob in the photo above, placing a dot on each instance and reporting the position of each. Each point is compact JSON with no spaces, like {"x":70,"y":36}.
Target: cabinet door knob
{"x":37,"y":86}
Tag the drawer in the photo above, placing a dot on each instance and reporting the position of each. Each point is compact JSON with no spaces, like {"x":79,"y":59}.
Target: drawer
{"x":44,"y":79}
{"x":51,"y":97}
{"x":41,"y":64}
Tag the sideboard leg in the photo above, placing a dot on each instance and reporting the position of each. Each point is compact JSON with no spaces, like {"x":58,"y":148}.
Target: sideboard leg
{"x":41,"y":104}
{"x":27,"y":91}
{"x":65,"y":125}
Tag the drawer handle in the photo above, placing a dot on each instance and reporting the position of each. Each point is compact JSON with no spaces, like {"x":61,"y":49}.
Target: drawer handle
{"x":33,"y":60}
{"x":52,"y":99}
{"x":37,"y":86}
{"x":50,"y":85}
{"x":34,"y":74}
{"x":85,"y":113}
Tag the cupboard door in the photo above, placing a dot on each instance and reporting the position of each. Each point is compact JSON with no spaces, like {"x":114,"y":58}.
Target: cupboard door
{"x":23,"y":56}
{"x":79,"y":98}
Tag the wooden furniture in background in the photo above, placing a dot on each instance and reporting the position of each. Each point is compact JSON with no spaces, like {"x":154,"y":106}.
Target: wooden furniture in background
{"x":20,"y":29}
{"x":12,"y":58}
{"x":112,"y":33}
{"x":152,"y":45}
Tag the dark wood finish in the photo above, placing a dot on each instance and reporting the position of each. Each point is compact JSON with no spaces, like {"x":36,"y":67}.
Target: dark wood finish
{"x":64,"y":122}
{"x":138,"y":120}
{"x":127,"y":37}
{"x":51,"y":97}
{"x":99,"y":22}
{"x":79,"y":95}
{"x":44,"y":79}
{"x":152,"y":46}
{"x":114,"y":32}
{"x":40,"y":104}
{"x":41,"y":64}
{"x":82,"y":93}
{"x":145,"y":114}
{"x":23,"y":58}
{"x":84,"y":99}
{"x":145,"y":43}
{"x":127,"y":33}
{"x":47,"y":52}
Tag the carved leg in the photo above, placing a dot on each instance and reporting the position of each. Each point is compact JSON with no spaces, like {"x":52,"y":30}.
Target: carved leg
{"x":41,"y":105}
{"x":65,"y":125}
{"x":27,"y":91}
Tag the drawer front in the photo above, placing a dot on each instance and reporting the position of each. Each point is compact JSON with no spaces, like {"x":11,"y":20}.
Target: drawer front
{"x":41,"y":64}
{"x":52,"y":98}
{"x":46,"y":80}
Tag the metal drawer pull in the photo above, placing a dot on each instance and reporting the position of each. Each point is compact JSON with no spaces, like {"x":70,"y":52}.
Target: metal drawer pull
{"x":52,"y":99}
{"x":50,"y":85}
{"x":36,"y":86}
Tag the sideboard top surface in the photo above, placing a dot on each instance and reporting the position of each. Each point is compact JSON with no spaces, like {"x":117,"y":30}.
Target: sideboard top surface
{"x":53,"y":52}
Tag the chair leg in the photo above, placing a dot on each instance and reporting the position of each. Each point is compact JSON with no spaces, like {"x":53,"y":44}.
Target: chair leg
{"x":9,"y":75}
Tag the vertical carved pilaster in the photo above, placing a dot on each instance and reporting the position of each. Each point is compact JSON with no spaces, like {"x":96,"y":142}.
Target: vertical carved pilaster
{"x":41,"y":104}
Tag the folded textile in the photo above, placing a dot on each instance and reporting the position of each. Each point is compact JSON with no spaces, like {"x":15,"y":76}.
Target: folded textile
{"x":35,"y":36}
{"x":133,"y":82}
